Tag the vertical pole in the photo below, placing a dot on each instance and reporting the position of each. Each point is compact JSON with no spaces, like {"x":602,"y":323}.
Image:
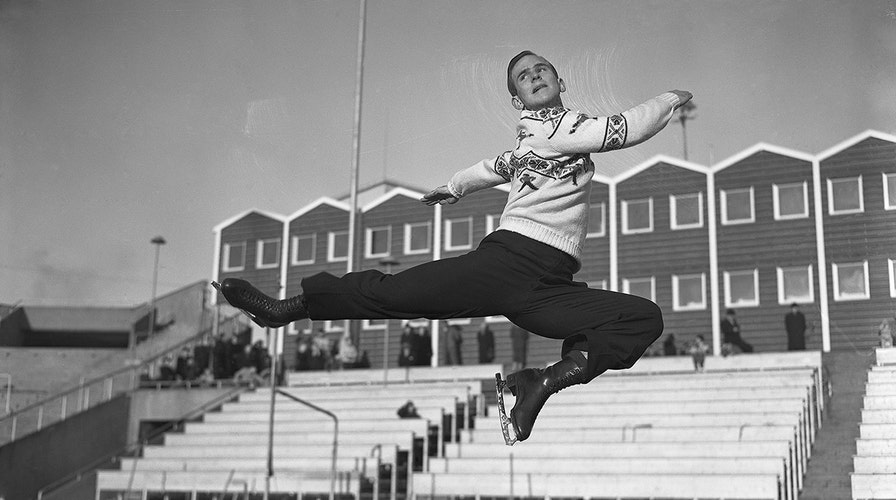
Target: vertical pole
{"x":272,"y":341}
{"x":356,"y":138}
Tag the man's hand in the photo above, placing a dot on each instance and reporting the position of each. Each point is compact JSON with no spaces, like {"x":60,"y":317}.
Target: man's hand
{"x":439,"y":195}
{"x":683,"y":96}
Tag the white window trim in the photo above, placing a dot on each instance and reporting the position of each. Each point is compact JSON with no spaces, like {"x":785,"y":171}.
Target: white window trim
{"x":724,"y":195}
{"x":408,"y":230}
{"x":649,"y":228}
{"x":598,"y":284}
{"x":331,"y":237}
{"x":294,"y":257}
{"x":840,"y":297}
{"x":259,"y":253}
{"x":334,"y":325}
{"x":367,"y":325}
{"x":448,"y":224}
{"x":497,"y":319}
{"x":226,"y":257}
{"x":859,"y":210}
{"x":888,"y":203}
{"x":627,"y":281}
{"x":892,"y":268}
{"x":741,"y":303}
{"x":603,"y":221}
{"x":368,"y":242}
{"x":782,"y":300}
{"x":675,"y":293}
{"x":777,"y":201}
{"x":458,"y":321}
{"x":492,"y":222}
{"x":673,"y":211}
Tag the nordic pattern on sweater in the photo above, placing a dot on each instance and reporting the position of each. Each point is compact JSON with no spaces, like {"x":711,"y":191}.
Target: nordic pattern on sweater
{"x":550,"y":169}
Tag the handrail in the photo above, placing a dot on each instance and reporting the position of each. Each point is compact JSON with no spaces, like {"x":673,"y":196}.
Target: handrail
{"x":134,"y":445}
{"x":83,"y":388}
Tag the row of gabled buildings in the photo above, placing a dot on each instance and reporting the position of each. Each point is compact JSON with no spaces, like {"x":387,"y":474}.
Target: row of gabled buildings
{"x":759,"y":231}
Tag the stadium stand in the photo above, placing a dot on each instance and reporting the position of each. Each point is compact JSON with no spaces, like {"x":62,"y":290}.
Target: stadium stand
{"x":874,"y":464}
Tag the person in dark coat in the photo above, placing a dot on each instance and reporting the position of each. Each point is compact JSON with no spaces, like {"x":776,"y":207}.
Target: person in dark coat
{"x":731,"y":332}
{"x":486,"y":340}
{"x":795,"y":324}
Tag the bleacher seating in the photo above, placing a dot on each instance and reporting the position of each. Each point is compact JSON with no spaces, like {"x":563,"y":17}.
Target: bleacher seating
{"x":874,"y":464}
{"x":743,"y":429}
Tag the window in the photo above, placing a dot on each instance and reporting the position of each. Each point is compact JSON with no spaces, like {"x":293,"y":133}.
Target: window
{"x":889,"y":191}
{"x":596,"y":227}
{"x":845,"y":196}
{"x":891,"y":265}
{"x":791,"y":201}
{"x":234,"y":256}
{"x":741,"y":288}
{"x":642,"y":287}
{"x":303,"y":246}
{"x":374,"y":324}
{"x":597,"y":284}
{"x":795,"y":285}
{"x":417,"y":237}
{"x":337,"y":246}
{"x":377,"y":242}
{"x":334,"y":325}
{"x":637,"y":216}
{"x":496,"y":319}
{"x":268,"y":253}
{"x":689,"y":292}
{"x":686,"y":210}
{"x":459,"y":234}
{"x":851,"y":281}
{"x":738,"y":206}
{"x":492,"y":222}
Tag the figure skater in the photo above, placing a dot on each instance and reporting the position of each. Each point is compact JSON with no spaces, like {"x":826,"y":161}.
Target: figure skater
{"x":524,"y":270}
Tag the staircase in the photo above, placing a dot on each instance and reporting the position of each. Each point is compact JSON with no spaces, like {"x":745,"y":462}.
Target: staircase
{"x":827,"y":476}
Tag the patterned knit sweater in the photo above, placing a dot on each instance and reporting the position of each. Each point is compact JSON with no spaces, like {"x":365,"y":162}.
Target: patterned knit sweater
{"x":550,"y":169}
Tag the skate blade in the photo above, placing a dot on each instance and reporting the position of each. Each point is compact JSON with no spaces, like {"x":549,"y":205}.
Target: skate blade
{"x":249,"y":315}
{"x":506,"y":425}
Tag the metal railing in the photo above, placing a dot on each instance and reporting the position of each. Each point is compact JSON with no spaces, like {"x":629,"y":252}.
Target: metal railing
{"x":87,"y":394}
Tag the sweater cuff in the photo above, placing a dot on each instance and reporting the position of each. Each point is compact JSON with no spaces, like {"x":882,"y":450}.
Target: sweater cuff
{"x":453,"y":190}
{"x":671,"y":98}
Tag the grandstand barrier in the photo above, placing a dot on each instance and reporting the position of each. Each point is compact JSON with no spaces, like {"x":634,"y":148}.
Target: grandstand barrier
{"x":632,"y":485}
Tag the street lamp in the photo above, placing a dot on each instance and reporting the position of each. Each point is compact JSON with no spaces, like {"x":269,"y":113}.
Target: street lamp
{"x":685,"y":114}
{"x":158,"y":241}
{"x":388,"y":262}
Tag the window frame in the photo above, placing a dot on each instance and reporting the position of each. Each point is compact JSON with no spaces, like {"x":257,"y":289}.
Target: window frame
{"x":626,"y":286}
{"x":676,"y":292}
{"x":726,"y":279}
{"x":225,"y":254}
{"x":449,"y":223}
{"x":625,"y":216}
{"x":294,"y":257}
{"x":673,"y":211}
{"x":861,"y":187}
{"x":835,"y":281}
{"x":331,"y":246}
{"x":603,"y":221}
{"x":724,"y":193}
{"x":368,"y":242}
{"x":889,"y":203}
{"x":782,"y":300}
{"x":776,"y":200}
{"x":260,"y":245}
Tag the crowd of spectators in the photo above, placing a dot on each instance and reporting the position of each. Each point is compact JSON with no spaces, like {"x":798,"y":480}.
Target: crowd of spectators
{"x":228,"y":357}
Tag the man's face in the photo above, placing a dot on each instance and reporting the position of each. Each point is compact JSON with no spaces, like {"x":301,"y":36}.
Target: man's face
{"x":536,"y":84}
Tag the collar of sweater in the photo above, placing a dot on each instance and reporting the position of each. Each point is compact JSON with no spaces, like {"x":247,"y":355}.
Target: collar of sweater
{"x":544,"y":114}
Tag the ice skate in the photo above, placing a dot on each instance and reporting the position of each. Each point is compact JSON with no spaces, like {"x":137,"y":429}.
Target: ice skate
{"x":532,"y":387}
{"x":265,"y":311}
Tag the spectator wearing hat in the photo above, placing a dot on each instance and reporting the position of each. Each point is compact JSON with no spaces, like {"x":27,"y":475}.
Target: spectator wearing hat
{"x":795,"y":324}
{"x":731,"y":334}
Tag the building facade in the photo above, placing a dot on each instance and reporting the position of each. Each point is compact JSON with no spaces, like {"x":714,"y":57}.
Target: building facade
{"x":756,"y":232}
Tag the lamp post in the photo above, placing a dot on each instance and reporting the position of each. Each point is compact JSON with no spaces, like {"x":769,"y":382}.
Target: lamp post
{"x":685,"y":114}
{"x":388,"y":262}
{"x":158,"y":241}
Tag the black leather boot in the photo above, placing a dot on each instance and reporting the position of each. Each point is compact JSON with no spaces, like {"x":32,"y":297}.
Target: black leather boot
{"x":264,"y":310}
{"x":533,"y":386}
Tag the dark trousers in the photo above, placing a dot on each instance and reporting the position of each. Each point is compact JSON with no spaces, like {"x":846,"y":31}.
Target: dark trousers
{"x":509,"y":274}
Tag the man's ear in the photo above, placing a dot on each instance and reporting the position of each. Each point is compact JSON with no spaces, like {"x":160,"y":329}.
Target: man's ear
{"x":517,"y":103}
{"x":562,"y":85}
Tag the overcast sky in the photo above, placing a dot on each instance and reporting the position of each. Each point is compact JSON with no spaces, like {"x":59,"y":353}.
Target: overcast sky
{"x":121,"y":120}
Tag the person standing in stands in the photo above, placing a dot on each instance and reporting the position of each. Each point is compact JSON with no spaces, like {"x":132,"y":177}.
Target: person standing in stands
{"x":486,"y":341}
{"x":795,"y":324}
{"x":731,"y":332}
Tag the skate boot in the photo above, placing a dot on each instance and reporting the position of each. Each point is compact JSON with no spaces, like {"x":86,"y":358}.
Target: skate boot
{"x":265,"y":311}
{"x":532,"y":387}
